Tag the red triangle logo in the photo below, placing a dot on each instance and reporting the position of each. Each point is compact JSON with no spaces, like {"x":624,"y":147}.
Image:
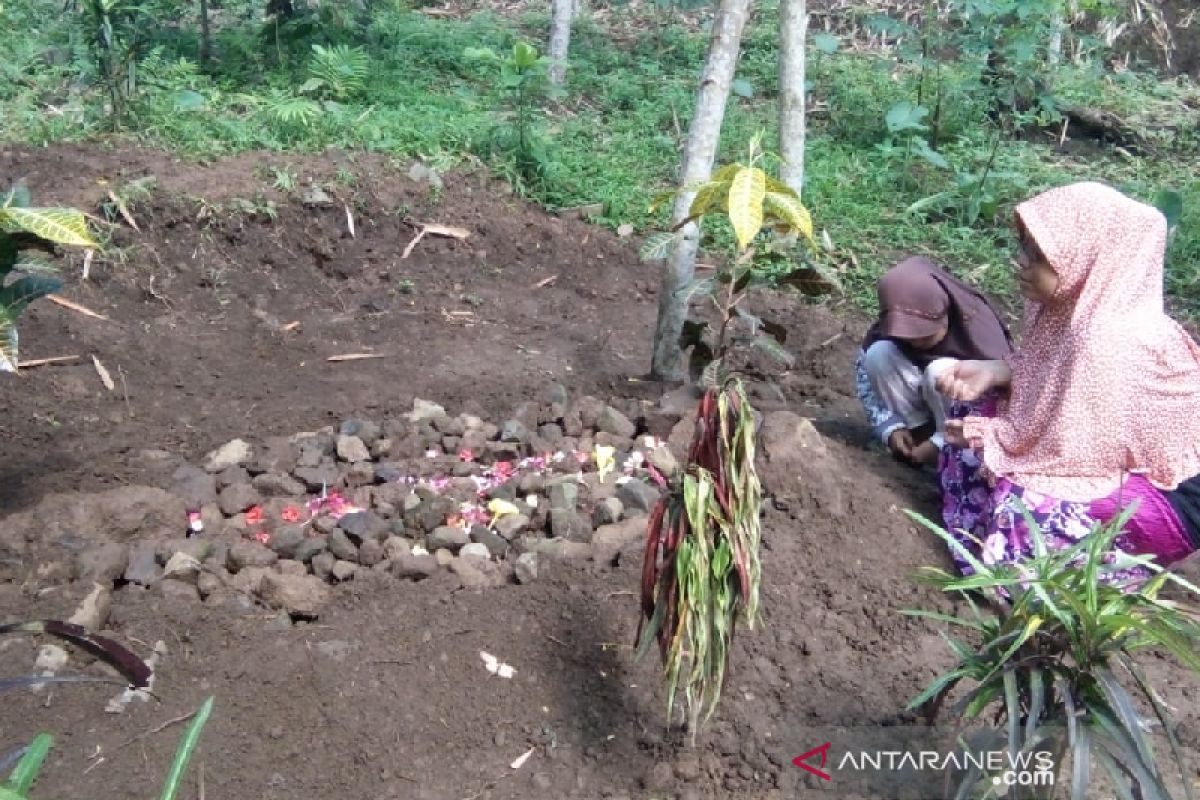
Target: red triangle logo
{"x":823,"y":752}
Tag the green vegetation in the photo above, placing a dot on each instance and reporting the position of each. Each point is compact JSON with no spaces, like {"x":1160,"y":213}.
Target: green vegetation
{"x":1047,"y":642}
{"x":924,"y":147}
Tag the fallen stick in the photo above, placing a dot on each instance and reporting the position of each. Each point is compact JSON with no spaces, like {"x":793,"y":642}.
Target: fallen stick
{"x":356,"y":356}
{"x":105,"y":378}
{"x":65,"y":303}
{"x":544,"y":282}
{"x":408,"y":250}
{"x":41,"y":362}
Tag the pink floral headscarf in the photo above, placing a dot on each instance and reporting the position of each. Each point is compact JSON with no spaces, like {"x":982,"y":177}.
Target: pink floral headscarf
{"x":1103,"y":382}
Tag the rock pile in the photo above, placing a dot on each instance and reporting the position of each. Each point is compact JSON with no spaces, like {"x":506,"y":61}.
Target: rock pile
{"x":411,"y":498}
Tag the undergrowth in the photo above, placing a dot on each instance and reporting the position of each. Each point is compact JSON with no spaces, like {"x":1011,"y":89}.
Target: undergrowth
{"x":614,"y":137}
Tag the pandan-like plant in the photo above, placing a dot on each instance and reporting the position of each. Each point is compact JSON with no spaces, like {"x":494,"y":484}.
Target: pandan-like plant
{"x":24,"y":274}
{"x":1050,"y":649}
{"x":701,"y":571}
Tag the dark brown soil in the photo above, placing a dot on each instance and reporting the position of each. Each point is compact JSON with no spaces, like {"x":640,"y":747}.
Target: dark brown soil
{"x":385,"y":695}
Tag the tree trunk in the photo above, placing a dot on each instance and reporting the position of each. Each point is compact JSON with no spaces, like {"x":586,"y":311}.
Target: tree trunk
{"x":698,"y":156}
{"x":205,"y":36}
{"x":560,"y":39}
{"x":793,"y":30}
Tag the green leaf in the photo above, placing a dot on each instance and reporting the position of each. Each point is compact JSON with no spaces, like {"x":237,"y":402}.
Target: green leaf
{"x":773,"y":348}
{"x":23,"y":291}
{"x":18,"y":196}
{"x":922,"y":148}
{"x":186,"y":747}
{"x":788,"y":209}
{"x":906,"y":116}
{"x":742,"y":88}
{"x":657,"y":246}
{"x":59,"y":225}
{"x":524,"y":55}
{"x":827,"y":43}
{"x":27,"y":769}
{"x":746,"y":193}
{"x":187,"y":100}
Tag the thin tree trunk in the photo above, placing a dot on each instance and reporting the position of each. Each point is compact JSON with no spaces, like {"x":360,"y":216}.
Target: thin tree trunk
{"x":205,"y":36}
{"x":793,"y":32}
{"x":698,"y":156}
{"x":1058,"y":26}
{"x":560,"y":39}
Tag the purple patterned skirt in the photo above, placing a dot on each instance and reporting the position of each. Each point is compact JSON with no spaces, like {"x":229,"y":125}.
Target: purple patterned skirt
{"x":989,"y":520}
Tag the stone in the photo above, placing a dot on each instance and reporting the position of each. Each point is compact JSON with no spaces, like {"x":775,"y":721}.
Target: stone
{"x":390,"y":474}
{"x":237,"y":498}
{"x":287,"y":539}
{"x":182,"y":590}
{"x":318,"y":478}
{"x":299,"y":595}
{"x":414,"y":567}
{"x":352,"y":450}
{"x":362,"y":526}
{"x":431,"y":514}
{"x":245,"y":553}
{"x":798,"y":464}
{"x":143,"y":565}
{"x":663,"y":460}
{"x":182,"y":566}
{"x":307,"y":550}
{"x":343,"y":571}
{"x":526,"y":568}
{"x":197,"y":547}
{"x":552,"y":432}
{"x":570,"y":525}
{"x":495,"y":544}
{"x":564,"y":495}
{"x":609,"y":540}
{"x":322,"y":565}
{"x":423,"y":410}
{"x":194,"y":486}
{"x":277,"y":454}
{"x":637,"y":495}
{"x":514,"y":431}
{"x":277,"y":484}
{"x":448,"y":537}
{"x":607,"y":512}
{"x":395,"y":546}
{"x":102,"y":563}
{"x":341,"y":546}
{"x":382,"y":448}
{"x":370,"y":553}
{"x":613,"y":422}
{"x":443,"y":557}
{"x":364,"y":429}
{"x":531,"y":483}
{"x":474,"y":550}
{"x":510,"y":526}
{"x":289,"y":567}
{"x":208,"y":584}
{"x":92,"y":612}
{"x":589,"y":409}
{"x":231,"y":475}
{"x":477,"y":573}
{"x":230,"y":454}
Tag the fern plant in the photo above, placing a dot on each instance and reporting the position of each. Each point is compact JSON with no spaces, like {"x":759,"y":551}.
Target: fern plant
{"x":338,"y":72}
{"x":25,"y":273}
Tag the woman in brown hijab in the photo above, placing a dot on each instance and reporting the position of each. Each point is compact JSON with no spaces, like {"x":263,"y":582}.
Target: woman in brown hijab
{"x":927,"y":318}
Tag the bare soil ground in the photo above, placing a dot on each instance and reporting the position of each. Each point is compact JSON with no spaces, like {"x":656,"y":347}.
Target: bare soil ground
{"x":384,"y":695}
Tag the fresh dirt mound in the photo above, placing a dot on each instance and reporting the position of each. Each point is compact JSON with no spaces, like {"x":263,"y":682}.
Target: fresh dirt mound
{"x":384,"y":694}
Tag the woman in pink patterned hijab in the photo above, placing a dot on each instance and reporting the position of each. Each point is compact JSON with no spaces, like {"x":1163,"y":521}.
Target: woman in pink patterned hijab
{"x":1102,"y":392}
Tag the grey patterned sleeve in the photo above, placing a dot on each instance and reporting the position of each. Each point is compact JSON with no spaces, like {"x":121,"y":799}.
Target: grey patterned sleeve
{"x":879,"y":416}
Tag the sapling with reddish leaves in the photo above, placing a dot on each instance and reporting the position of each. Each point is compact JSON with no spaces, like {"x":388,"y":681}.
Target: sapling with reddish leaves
{"x":701,"y":569}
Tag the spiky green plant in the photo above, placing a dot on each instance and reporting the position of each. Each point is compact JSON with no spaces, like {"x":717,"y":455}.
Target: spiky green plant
{"x":25,"y":275}
{"x":1050,"y":639}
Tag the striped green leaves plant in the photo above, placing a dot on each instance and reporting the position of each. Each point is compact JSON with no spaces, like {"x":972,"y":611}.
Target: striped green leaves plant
{"x":1049,"y":648}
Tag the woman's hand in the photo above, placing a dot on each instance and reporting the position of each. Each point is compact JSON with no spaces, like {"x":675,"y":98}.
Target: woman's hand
{"x":900,"y":442}
{"x":969,"y":380}
{"x":954,"y":433}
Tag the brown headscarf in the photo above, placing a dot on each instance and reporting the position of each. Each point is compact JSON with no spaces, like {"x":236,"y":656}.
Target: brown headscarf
{"x":916,"y":299}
